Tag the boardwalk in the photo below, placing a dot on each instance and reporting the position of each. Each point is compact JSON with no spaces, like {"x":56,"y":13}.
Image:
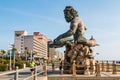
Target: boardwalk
{"x":24,"y":74}
{"x":52,"y":73}
{"x":104,"y":76}
{"x":57,"y":74}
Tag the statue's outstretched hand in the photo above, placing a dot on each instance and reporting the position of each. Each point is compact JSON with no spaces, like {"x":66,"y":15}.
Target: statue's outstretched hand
{"x":55,"y":40}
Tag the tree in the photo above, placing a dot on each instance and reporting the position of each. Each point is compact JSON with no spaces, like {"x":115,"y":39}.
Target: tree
{"x":3,"y":52}
{"x":26,"y":53}
{"x":34,"y":53}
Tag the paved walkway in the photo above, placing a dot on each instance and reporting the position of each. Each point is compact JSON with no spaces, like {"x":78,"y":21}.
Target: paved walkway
{"x":56,"y":72}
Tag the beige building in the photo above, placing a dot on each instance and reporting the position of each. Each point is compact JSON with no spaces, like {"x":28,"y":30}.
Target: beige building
{"x":35,"y":43}
{"x":51,"y":53}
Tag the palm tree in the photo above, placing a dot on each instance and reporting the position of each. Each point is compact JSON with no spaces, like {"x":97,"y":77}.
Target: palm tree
{"x":14,"y":51}
{"x":3,"y":52}
{"x":34,"y":53}
{"x":26,"y":52}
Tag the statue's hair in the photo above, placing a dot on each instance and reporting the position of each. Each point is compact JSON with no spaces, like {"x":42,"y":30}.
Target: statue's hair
{"x":72,"y":11}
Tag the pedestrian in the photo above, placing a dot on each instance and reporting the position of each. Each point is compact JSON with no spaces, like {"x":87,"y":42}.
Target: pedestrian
{"x":53,"y":66}
{"x":32,"y":66}
{"x":60,"y":64}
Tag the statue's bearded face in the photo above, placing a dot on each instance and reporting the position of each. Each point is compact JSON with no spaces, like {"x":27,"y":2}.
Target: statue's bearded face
{"x":68,"y":16}
{"x":70,"y":13}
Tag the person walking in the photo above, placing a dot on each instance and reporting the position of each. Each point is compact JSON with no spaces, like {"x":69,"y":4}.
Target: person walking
{"x":60,"y":64}
{"x":32,"y":65}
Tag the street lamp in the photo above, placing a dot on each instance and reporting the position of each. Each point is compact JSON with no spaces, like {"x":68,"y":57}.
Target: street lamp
{"x":10,"y":60}
{"x":31,"y":55}
{"x":10,"y":48}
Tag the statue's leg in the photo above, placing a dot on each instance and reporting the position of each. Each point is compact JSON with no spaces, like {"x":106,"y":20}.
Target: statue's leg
{"x":61,"y":42}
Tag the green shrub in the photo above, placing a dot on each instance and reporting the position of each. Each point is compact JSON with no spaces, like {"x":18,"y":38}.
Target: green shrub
{"x":3,"y":67}
{"x":6,"y":61}
{"x":19,"y":64}
{"x":7,"y":58}
{"x":27,"y":64}
{"x":23,"y":58}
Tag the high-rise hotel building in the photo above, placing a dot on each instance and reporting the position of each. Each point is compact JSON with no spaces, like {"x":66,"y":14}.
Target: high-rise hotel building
{"x":35,"y":43}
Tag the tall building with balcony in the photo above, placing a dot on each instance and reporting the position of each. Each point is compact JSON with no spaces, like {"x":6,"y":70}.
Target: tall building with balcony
{"x":35,"y":43}
{"x":19,"y":40}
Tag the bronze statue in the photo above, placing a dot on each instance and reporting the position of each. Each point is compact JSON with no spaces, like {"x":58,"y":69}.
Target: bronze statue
{"x":77,"y":29}
{"x":79,"y":48}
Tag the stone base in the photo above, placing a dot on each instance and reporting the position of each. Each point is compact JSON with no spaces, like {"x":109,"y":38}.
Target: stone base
{"x":79,"y":70}
{"x":78,"y":54}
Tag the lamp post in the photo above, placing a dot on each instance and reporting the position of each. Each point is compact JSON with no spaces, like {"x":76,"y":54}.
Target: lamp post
{"x":10,"y":60}
{"x":31,"y":55}
{"x":10,"y":48}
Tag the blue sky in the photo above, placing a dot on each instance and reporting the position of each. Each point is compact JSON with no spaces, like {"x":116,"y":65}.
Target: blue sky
{"x":102,"y":18}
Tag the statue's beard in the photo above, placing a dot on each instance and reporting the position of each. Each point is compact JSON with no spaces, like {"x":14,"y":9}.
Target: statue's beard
{"x":68,"y":19}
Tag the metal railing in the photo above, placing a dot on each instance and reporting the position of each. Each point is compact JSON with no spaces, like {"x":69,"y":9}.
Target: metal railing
{"x":99,"y":66}
{"x":16,"y":72}
{"x":38,"y":70}
{"x":110,"y":66}
{"x":104,"y":70}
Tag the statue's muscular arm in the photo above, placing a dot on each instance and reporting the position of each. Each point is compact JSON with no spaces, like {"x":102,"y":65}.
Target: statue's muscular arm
{"x":70,"y":32}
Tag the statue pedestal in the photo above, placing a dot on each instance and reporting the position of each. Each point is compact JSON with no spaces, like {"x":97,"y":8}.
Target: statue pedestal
{"x":80,"y":54}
